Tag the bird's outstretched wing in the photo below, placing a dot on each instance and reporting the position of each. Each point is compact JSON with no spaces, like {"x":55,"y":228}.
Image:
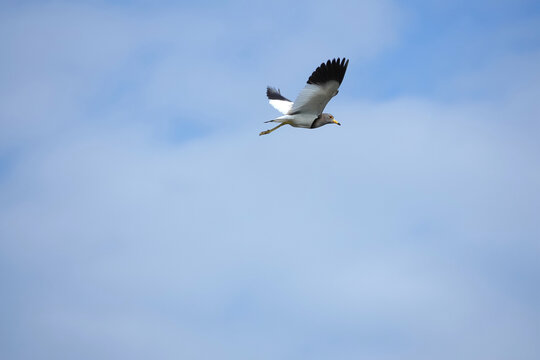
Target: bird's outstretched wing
{"x":321,"y":86}
{"x":281,"y":103}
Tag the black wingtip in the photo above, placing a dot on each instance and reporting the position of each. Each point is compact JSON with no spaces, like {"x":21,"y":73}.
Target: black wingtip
{"x":274,"y":94}
{"x":331,"y":70}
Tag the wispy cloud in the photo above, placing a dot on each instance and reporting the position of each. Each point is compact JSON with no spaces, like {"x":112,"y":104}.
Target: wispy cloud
{"x":409,"y":232}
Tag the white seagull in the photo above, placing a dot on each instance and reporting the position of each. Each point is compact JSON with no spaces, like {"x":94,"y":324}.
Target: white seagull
{"x":307,"y":109}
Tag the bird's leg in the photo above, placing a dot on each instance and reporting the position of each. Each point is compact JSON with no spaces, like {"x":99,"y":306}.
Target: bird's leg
{"x":269,"y":131}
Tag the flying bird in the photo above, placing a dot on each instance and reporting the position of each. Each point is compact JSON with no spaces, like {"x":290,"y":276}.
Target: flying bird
{"x":307,"y":110}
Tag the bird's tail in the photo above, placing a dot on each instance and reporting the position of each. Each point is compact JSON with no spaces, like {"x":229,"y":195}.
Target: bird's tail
{"x":281,"y":119}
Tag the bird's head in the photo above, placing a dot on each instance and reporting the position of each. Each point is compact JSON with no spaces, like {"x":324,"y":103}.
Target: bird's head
{"x":329,"y":119}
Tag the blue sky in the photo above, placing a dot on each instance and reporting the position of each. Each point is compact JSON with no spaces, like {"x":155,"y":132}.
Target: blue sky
{"x":142,"y":217}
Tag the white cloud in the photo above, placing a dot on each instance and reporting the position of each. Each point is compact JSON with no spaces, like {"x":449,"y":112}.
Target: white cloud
{"x":337,"y":232}
{"x":67,"y":64}
{"x":399,"y":234}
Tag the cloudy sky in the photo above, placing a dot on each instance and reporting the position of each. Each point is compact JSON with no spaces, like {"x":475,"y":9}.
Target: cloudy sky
{"x":141,"y":215}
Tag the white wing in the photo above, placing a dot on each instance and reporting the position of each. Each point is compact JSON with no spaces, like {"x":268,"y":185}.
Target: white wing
{"x":321,"y":87}
{"x":313,"y":98}
{"x":282,"y":106}
{"x":278,"y":101}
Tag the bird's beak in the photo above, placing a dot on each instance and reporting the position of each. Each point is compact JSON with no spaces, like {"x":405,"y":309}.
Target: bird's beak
{"x":335,"y":122}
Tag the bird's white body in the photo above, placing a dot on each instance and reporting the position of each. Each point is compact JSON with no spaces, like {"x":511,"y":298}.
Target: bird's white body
{"x":298,"y":120}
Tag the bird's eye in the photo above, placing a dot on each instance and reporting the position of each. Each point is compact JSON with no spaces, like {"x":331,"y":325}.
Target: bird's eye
{"x":331,"y":117}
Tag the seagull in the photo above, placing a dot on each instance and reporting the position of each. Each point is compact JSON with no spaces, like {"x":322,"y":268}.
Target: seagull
{"x":307,"y":110}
